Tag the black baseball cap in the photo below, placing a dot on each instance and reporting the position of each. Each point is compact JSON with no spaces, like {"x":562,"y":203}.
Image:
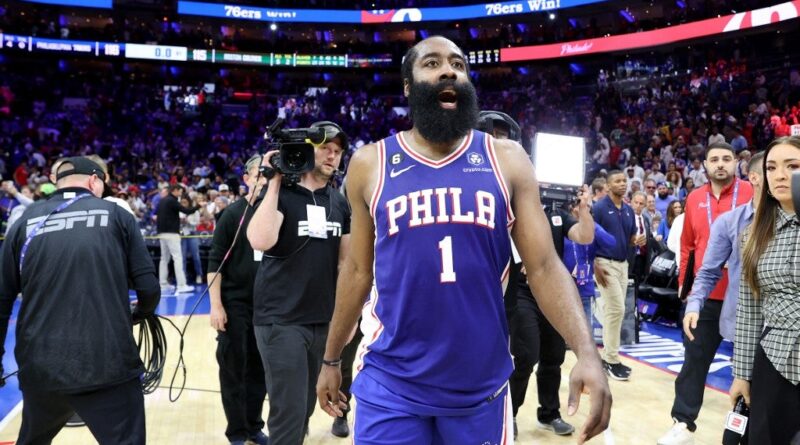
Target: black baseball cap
{"x":80,"y":166}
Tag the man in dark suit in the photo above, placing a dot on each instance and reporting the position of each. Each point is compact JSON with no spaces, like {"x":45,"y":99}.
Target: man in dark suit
{"x":639,"y":257}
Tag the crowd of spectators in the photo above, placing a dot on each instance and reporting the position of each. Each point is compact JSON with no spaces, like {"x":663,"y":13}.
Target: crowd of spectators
{"x":657,"y":130}
{"x":660,"y":132}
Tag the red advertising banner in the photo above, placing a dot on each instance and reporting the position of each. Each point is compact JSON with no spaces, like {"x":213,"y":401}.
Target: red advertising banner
{"x":672,"y":34}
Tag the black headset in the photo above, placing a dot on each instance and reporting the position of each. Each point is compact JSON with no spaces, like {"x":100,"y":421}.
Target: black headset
{"x":332,"y":130}
{"x":487,"y":120}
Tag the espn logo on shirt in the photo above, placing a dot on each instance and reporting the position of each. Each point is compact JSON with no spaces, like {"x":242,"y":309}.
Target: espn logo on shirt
{"x":334,"y":228}
{"x":69,"y":220}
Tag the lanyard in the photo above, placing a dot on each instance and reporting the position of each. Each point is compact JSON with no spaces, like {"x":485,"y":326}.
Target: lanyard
{"x":575,"y":253}
{"x":733,"y":204}
{"x":580,"y":273}
{"x":41,"y":223}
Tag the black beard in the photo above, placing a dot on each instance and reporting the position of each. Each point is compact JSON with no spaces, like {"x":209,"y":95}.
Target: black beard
{"x":439,"y":125}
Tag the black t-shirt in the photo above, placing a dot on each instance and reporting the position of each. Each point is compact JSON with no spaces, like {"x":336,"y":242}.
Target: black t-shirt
{"x":74,"y":329}
{"x":560,"y":222}
{"x":239,"y":272}
{"x":296,"y":281}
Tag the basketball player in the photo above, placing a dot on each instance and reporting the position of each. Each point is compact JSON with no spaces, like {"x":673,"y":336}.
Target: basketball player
{"x":432,"y":208}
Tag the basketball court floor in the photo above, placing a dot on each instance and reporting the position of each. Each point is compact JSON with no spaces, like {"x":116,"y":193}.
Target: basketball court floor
{"x":640,"y":414}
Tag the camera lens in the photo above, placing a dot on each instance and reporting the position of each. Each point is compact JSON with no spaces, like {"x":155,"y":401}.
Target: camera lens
{"x":295,"y":160}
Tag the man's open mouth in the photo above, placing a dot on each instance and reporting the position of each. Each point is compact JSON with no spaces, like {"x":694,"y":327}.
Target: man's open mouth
{"x":448,"y":99}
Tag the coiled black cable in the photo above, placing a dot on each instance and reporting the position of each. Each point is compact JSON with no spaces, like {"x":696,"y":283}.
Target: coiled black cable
{"x":159,"y":341}
{"x":152,"y":345}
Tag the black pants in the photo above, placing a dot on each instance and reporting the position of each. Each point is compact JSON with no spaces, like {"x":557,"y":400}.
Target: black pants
{"x":348,"y":357}
{"x":533,"y":339}
{"x":114,"y":415}
{"x":241,"y":375}
{"x":698,"y":355}
{"x":774,"y":405}
{"x":292,"y":356}
{"x":638,"y":268}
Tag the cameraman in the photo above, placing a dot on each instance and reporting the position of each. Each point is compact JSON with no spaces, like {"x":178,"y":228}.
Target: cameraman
{"x":304,"y":231}
{"x":75,"y":346}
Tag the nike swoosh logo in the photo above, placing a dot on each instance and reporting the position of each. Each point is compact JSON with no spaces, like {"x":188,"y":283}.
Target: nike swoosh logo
{"x":394,"y":174}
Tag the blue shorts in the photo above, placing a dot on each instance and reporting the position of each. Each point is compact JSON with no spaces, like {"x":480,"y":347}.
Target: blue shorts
{"x":376,"y":424}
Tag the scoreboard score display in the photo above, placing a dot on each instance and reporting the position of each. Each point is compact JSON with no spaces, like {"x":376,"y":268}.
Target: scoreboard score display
{"x":156,"y":52}
{"x":483,"y":56}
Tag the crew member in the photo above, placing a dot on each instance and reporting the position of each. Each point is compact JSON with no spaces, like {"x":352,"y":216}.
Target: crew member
{"x":241,"y":372}
{"x":304,"y":231}
{"x":72,"y":257}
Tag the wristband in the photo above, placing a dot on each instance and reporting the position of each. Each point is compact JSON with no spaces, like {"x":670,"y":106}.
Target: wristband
{"x":334,"y":363}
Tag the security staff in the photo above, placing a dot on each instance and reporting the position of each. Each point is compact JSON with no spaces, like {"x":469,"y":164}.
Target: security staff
{"x":533,"y":338}
{"x":502,"y":126}
{"x":72,"y":257}
{"x":241,"y":373}
{"x":305,"y":231}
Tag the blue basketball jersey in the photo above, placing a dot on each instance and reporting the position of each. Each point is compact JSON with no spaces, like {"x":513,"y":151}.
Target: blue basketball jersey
{"x":435,"y":326}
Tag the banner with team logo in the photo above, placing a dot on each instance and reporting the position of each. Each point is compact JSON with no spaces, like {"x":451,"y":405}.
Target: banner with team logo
{"x":486,"y":10}
{"x":704,"y":28}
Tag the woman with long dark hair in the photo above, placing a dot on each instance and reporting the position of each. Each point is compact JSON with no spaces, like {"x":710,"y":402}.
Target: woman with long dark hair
{"x":767,"y":344}
{"x":675,"y":208}
{"x":688,"y":186}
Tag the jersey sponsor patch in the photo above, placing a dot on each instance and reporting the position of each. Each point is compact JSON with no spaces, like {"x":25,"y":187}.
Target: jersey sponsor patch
{"x":475,"y":159}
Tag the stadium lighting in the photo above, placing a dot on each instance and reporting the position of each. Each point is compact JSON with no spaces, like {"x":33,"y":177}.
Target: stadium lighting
{"x":273,"y":27}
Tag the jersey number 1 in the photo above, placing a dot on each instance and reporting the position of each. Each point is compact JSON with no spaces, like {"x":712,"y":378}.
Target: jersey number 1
{"x":448,"y":275}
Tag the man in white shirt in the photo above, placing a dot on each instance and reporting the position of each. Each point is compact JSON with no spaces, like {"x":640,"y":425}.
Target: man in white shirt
{"x":638,"y":171}
{"x":697,"y":173}
{"x":716,"y":136}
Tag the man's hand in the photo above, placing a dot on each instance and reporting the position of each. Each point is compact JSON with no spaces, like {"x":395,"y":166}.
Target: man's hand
{"x":600,"y":274}
{"x":588,"y":377}
{"x":266,"y":162}
{"x":8,"y":187}
{"x":584,"y":198}
{"x":331,"y":399}
{"x":640,"y":240}
{"x":218,"y":317}
{"x":690,"y":324}
{"x":740,"y":387}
